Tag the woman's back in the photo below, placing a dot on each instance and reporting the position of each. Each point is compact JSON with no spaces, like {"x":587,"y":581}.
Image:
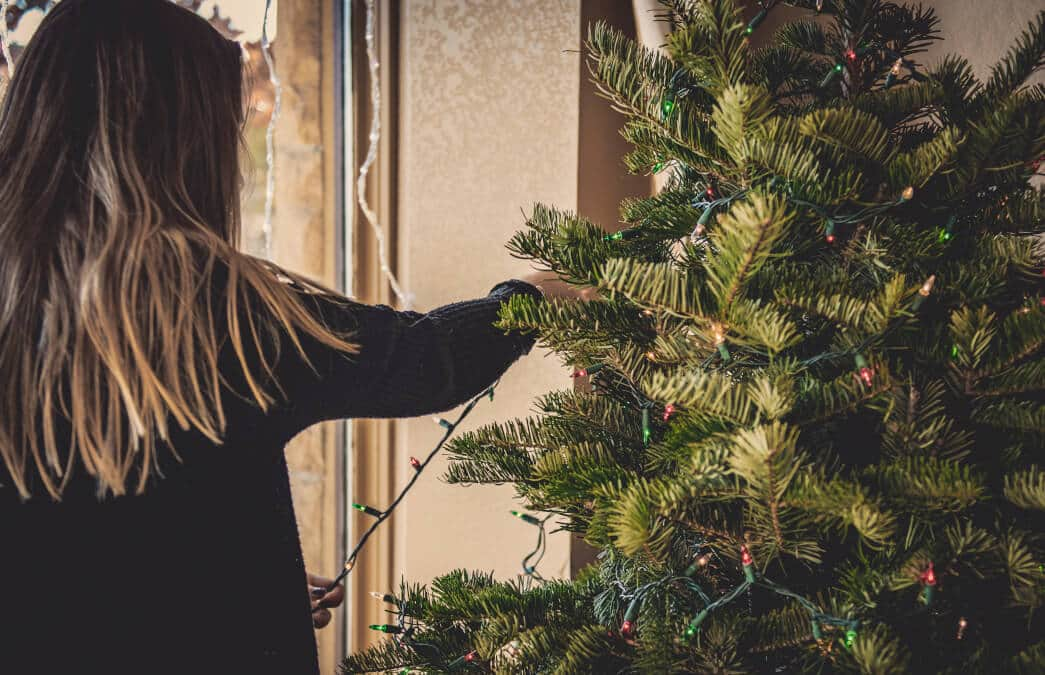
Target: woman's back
{"x":203,"y":572}
{"x":204,"y":567}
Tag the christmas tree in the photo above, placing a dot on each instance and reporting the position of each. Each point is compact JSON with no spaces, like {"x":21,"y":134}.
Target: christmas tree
{"x":809,"y":423}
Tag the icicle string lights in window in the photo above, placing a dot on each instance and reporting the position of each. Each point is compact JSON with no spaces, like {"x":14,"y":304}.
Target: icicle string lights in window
{"x":405,"y":299}
{"x":270,"y":134}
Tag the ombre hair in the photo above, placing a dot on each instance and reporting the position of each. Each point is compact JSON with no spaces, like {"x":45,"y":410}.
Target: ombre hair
{"x":120,"y":139}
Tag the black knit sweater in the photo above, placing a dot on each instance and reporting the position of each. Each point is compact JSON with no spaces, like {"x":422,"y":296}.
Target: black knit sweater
{"x":203,"y":573}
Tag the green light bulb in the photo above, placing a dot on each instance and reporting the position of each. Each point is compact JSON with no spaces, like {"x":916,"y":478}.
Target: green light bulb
{"x":526,"y":517}
{"x":385,"y":628}
{"x":850,"y":638}
{"x":756,"y":20}
{"x":629,"y":233}
{"x":694,"y":625}
{"x":831,"y":74}
{"x":667,"y":106}
{"x":370,"y":511}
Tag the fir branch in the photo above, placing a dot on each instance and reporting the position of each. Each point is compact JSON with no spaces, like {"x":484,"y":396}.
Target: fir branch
{"x":1026,"y":489}
{"x":858,"y":133}
{"x":656,"y":286}
{"x":744,"y":239}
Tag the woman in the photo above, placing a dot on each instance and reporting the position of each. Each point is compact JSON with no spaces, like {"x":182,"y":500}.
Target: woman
{"x":152,"y":373}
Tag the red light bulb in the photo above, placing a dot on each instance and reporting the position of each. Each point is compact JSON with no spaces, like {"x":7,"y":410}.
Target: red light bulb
{"x":710,"y":192}
{"x":830,"y":238}
{"x":929,"y":576}
{"x":867,"y":375}
{"x":416,"y":463}
{"x":850,"y":54}
{"x":627,"y":628}
{"x":579,"y":373}
{"x":745,"y":556}
{"x":669,"y":410}
{"x":470,"y":656}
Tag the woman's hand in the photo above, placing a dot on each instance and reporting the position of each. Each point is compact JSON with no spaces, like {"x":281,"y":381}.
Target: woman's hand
{"x":321,"y":600}
{"x":554,"y":287}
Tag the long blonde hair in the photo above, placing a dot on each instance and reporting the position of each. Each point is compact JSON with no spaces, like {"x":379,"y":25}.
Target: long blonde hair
{"x":119,"y":200}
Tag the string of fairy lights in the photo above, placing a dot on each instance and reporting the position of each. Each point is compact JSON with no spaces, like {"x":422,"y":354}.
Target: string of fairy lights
{"x":712,"y":201}
{"x":419,"y":465}
{"x":406,"y":299}
{"x":846,"y":627}
{"x":270,"y":133}
{"x":404,"y":634}
{"x":863,"y":372}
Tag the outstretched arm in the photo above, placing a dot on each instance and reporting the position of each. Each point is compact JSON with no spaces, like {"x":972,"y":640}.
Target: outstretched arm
{"x":409,"y":363}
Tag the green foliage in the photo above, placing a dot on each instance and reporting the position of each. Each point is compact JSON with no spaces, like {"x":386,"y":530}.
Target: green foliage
{"x":831,"y":321}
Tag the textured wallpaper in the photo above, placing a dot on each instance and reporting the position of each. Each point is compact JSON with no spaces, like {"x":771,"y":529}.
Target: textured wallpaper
{"x":489,"y":116}
{"x":488,"y":123}
{"x":981,"y":31}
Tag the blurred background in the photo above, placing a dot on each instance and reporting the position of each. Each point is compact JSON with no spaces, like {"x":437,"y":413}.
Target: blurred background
{"x":486,"y":109}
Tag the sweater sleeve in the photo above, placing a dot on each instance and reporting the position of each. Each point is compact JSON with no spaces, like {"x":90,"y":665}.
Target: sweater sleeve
{"x":408,"y":364}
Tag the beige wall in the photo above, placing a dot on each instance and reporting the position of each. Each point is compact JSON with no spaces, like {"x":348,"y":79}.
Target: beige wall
{"x":488,"y":125}
{"x":981,"y":30}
